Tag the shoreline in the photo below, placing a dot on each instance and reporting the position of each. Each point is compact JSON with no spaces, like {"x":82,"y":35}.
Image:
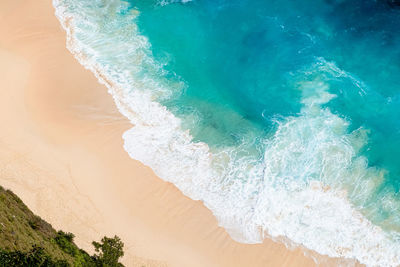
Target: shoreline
{"x":62,"y":153}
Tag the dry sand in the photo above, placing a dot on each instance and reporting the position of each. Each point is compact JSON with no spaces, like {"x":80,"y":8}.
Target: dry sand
{"x":61,"y":152}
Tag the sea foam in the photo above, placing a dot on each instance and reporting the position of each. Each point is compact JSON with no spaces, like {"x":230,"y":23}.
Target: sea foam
{"x":167,"y":2}
{"x":300,"y":188}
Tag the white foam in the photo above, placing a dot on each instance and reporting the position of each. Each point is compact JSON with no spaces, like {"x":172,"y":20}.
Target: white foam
{"x":168,"y":2}
{"x":294,"y":191}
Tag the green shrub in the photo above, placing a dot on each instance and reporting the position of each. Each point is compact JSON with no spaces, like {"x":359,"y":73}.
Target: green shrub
{"x":109,"y":251}
{"x":35,"y":257}
{"x":65,"y":242}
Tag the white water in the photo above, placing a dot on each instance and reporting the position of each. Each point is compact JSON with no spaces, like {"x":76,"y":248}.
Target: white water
{"x":291,"y":192}
{"x":167,"y":2}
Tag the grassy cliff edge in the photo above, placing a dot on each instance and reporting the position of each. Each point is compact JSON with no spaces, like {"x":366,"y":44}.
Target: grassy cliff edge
{"x":28,"y":240}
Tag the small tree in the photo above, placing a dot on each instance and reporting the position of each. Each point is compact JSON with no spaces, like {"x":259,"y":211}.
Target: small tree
{"x":109,"y":251}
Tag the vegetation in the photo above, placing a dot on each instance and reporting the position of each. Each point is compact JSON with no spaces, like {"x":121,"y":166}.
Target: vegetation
{"x":27,"y":240}
{"x":110,"y":250}
{"x":35,"y":257}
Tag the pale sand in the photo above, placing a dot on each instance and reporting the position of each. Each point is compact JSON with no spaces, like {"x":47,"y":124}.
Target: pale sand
{"x":61,"y":152}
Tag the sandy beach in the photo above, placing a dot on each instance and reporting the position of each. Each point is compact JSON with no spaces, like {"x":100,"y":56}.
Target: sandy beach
{"x":61,"y":152}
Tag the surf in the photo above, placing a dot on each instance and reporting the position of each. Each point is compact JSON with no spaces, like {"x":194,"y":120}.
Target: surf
{"x":297,"y":171}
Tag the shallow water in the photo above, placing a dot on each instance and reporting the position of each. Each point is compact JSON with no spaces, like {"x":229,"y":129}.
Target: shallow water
{"x":281,"y":116}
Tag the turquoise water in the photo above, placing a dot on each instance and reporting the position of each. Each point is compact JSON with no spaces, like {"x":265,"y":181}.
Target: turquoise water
{"x":244,"y":56}
{"x":281,"y":116}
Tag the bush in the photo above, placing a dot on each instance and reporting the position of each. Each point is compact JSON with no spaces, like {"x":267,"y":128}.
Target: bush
{"x":34,"y":222}
{"x":65,"y":242}
{"x":109,"y":251}
{"x":35,"y":257}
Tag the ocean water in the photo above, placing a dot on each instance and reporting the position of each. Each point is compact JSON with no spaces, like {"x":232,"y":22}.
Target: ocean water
{"x":281,"y":116}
